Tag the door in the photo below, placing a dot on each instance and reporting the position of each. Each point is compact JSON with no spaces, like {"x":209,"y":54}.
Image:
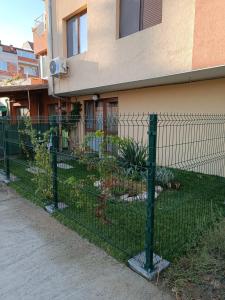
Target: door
{"x":101,"y":115}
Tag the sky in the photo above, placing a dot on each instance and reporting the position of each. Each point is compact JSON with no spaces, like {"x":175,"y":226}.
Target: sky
{"x":17,"y":19}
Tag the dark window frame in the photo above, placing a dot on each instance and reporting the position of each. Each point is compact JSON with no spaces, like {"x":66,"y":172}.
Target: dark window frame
{"x":77,"y":16}
{"x":141,"y":19}
{"x":104,"y":101}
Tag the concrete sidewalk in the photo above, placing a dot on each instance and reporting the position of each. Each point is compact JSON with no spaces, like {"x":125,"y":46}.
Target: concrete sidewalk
{"x":42,"y":259}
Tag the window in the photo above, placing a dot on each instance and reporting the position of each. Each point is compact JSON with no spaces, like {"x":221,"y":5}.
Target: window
{"x":26,"y":54}
{"x":22,"y":111}
{"x":3,"y":66}
{"x":102,"y":115}
{"x":77,"y":34}
{"x":136,"y":15}
{"x":43,"y":67}
{"x":32,"y":71}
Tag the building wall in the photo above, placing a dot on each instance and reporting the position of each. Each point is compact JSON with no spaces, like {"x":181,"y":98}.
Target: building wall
{"x":197,"y":97}
{"x":157,"y":51}
{"x":40,"y":42}
{"x":209,"y":34}
{"x":188,"y":142}
{"x":40,"y":36}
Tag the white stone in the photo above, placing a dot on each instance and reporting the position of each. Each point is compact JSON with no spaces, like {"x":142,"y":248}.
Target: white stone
{"x":64,"y":166}
{"x":141,"y":197}
{"x":158,"y":189}
{"x":35,"y":170}
{"x":144,"y":196}
{"x":98,"y":183}
{"x":130,"y":199}
{"x":124,"y":197}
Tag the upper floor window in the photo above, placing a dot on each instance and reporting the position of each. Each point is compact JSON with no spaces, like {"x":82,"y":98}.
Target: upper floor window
{"x":43,"y":67}
{"x":77,"y":34}
{"x":32,"y":71}
{"x":136,"y":15}
{"x":3,"y":66}
{"x":26,"y":54}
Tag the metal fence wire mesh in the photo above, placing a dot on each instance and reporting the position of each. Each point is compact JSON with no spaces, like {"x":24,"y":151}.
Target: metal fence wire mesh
{"x":150,"y":183}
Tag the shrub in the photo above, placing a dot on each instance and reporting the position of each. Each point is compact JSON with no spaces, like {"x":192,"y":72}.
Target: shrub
{"x":133,"y":157}
{"x":77,"y":189}
{"x":164,"y":176}
{"x":41,"y":157}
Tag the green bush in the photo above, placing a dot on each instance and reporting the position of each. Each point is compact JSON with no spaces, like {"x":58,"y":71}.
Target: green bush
{"x":40,"y":158}
{"x":133,"y":157}
{"x":163,"y":176}
{"x":78,"y":188}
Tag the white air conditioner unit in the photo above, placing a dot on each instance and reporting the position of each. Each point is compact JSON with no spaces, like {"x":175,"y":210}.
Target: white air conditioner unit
{"x":58,"y":67}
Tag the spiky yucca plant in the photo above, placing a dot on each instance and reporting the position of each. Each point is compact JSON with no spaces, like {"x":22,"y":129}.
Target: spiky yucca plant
{"x":133,"y":157}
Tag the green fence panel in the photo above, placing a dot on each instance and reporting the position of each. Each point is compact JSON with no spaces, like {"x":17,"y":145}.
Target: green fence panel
{"x":137,"y":183}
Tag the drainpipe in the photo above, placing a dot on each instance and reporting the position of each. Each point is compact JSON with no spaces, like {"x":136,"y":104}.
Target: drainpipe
{"x":28,"y":97}
{"x":51,"y":50}
{"x":50,"y":43}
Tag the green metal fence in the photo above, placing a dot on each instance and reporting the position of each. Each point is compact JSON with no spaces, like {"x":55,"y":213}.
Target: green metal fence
{"x":149,"y":183}
{"x":2,"y":138}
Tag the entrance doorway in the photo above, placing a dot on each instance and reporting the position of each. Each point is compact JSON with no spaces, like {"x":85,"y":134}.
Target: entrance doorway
{"x":101,"y":115}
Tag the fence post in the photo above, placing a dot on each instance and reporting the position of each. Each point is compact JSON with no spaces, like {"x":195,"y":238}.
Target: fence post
{"x":152,"y":143}
{"x":54,"y":170}
{"x":6,"y":152}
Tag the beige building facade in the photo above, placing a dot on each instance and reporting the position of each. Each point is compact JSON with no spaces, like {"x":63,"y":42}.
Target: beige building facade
{"x":172,"y":65}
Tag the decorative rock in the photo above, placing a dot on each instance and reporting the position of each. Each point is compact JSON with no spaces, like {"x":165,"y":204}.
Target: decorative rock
{"x":156,"y":195}
{"x":141,"y":197}
{"x":158,"y":189}
{"x":34,"y":170}
{"x":131,"y":199}
{"x":64,"y":166}
{"x":98,"y":183}
{"x":124,"y":197}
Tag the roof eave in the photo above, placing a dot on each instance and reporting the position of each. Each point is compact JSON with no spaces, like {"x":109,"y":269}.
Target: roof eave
{"x":178,"y":78}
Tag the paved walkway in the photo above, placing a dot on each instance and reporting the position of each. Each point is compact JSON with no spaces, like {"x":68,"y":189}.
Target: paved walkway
{"x":42,"y":259}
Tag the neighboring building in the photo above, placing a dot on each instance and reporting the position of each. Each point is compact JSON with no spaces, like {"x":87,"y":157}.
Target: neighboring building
{"x":27,"y":100}
{"x":29,"y":96}
{"x":26,"y":97}
{"x":17,"y":62}
{"x":140,"y":56}
{"x":40,"y":44}
{"x":28,"y":46}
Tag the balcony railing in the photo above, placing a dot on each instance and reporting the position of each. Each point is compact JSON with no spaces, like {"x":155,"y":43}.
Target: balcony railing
{"x":40,"y":24}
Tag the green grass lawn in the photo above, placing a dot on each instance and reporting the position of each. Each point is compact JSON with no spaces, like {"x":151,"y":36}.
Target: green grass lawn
{"x":181,"y":216}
